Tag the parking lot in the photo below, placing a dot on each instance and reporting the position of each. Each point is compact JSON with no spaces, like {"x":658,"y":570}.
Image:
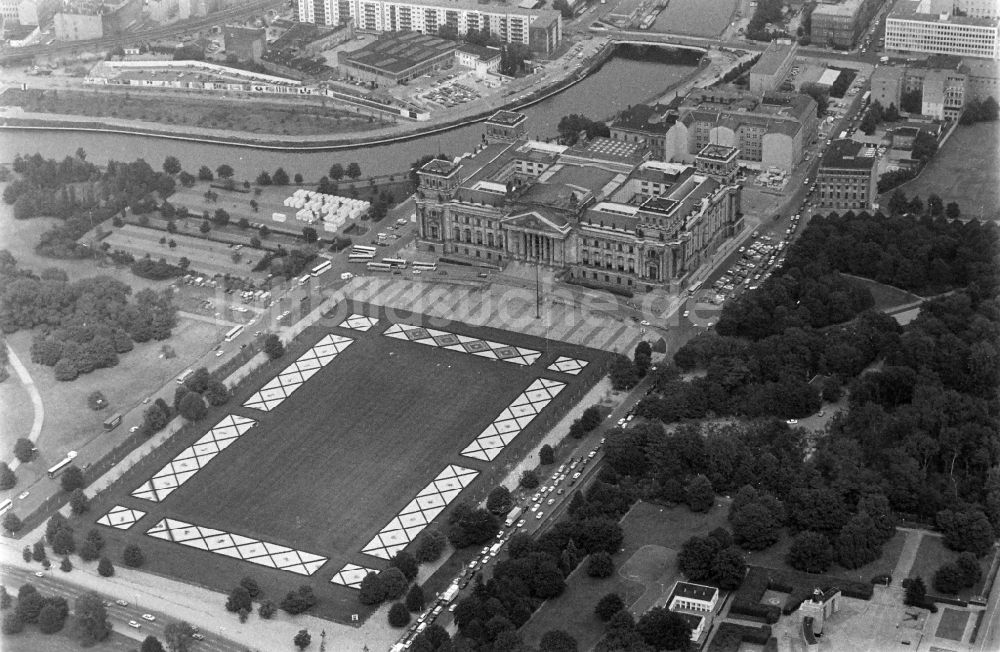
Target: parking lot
{"x":758,"y":260}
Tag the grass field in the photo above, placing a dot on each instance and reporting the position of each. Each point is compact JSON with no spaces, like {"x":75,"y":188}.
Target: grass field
{"x":952,"y":624}
{"x":334,"y":463}
{"x":653,"y":536}
{"x":886,"y":296}
{"x":31,"y":640}
{"x":933,"y":554}
{"x":966,"y":170}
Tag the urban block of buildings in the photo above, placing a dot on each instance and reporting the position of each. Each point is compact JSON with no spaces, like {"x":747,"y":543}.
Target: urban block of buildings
{"x":395,"y":58}
{"x":599,"y":211}
{"x":846,"y":178}
{"x":79,"y":20}
{"x":245,"y":43}
{"x":541,"y":30}
{"x":770,"y":131}
{"x":773,"y":66}
{"x":28,"y":12}
{"x":841,"y":23}
{"x":934,"y":27}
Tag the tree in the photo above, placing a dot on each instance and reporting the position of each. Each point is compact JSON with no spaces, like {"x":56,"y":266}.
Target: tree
{"x":546,"y":455}
{"x":267,"y":609}
{"x":337,"y":172}
{"x":24,"y":450}
{"x":371,"y":591}
{"x":89,"y":551}
{"x":151,"y":644}
{"x":529,"y":479}
{"x":967,"y":529}
{"x":12,"y":522}
{"x":643,"y":358}
{"x":251,"y":585}
{"x":302,"y":639}
{"x":859,"y":542}
{"x":971,"y":570}
{"x":608,"y":606}
{"x":415,"y":598}
{"x":132,"y":556}
{"x":499,"y":501}
{"x":935,"y":206}
{"x":556,"y":640}
{"x":65,"y":565}
{"x":105,"y":568}
{"x":623,"y":374}
{"x":916,"y":592}
{"x":7,"y":477}
{"x":600,"y":565}
{"x":406,"y":563}
{"x":238,"y":600}
{"x":664,"y":629}
{"x":5,"y":599}
{"x":264,"y":178}
{"x":309,"y":234}
{"x":755,"y":526}
{"x":298,"y":179}
{"x":430,"y":545}
{"x":51,"y":619}
{"x":29,"y":603}
{"x":12,"y":624}
{"x":699,"y":494}
{"x":868,"y":123}
{"x":810,"y":552}
{"x":353,"y":170}
{"x":192,"y":407}
{"x":399,"y":615}
{"x":393,"y":582}
{"x":696,"y":557}
{"x":263,"y":231}
{"x":63,"y":542}
{"x":38,"y":550}
{"x":205,"y":173}
{"x":952,"y":211}
{"x":280,"y":177}
{"x":65,"y":370}
{"x":949,"y":579}
{"x":729,"y":568}
{"x":204,"y":227}
{"x":91,"y":619}
{"x":171,"y":165}
{"x":224,"y":171}
{"x":78,"y":502}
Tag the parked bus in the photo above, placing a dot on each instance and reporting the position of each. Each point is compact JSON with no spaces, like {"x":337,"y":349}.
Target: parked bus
{"x":361,"y":257}
{"x":322,"y":267}
{"x":865,"y":99}
{"x":112,"y":422}
{"x":363,"y":248}
{"x":5,"y":505}
{"x":233,"y":333}
{"x":426,"y":267}
{"x":395,"y":262}
{"x":379,"y":267}
{"x":304,"y":279}
{"x":60,"y":466}
{"x":184,"y":376}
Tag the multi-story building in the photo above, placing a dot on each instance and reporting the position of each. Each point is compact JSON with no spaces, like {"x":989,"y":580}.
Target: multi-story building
{"x":395,"y":58}
{"x":245,"y":43}
{"x":841,"y":23}
{"x":600,"y":210}
{"x":695,"y":603}
{"x":646,"y":124}
{"x":28,"y":12}
{"x":480,"y":59}
{"x":930,"y":26}
{"x":89,"y":19}
{"x":8,"y":10}
{"x":773,"y":66}
{"x":846,"y":176}
{"x":983,"y":79}
{"x":769,"y":132}
{"x":941,"y":80}
{"x":540,"y":30}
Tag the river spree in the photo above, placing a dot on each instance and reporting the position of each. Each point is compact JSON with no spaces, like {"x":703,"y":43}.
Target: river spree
{"x":619,"y":83}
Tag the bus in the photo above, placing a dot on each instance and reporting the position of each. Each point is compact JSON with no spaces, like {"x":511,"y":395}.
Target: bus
{"x":429,"y":267}
{"x":379,"y":267}
{"x":395,"y":262}
{"x":361,"y":257}
{"x":363,"y":249}
{"x":5,"y":505}
{"x":60,"y":466}
{"x":322,"y":267}
{"x":184,"y":376}
{"x":233,"y":333}
{"x":112,"y":422}
{"x":865,"y":99}
{"x":304,"y":279}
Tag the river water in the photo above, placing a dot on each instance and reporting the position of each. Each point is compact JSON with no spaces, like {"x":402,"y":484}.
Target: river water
{"x":619,"y":83}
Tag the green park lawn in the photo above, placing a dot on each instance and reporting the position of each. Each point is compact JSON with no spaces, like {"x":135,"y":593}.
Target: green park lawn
{"x":646,"y":524}
{"x":933,"y":554}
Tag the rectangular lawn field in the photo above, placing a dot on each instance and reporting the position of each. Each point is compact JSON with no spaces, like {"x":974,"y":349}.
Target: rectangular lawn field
{"x":952,"y":624}
{"x":336,"y":461}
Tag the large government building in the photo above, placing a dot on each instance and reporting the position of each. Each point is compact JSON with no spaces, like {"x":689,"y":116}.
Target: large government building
{"x":934,"y":27}
{"x":601,"y":211}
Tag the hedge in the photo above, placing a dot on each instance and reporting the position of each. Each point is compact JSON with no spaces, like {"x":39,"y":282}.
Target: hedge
{"x":622,"y":292}
{"x":730,"y":636}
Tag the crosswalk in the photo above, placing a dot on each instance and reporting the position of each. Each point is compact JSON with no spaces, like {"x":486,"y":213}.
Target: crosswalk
{"x":503,"y":307}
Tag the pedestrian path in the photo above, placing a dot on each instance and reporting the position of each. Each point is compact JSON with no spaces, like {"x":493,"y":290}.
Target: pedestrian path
{"x":504,"y":307}
{"x":36,"y":400}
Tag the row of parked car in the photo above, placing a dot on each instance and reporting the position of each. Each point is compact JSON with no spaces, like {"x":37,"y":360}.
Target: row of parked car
{"x":757,"y":262}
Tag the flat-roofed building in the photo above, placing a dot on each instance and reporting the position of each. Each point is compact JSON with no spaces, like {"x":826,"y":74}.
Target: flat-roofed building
{"x":600,"y":209}
{"x":480,"y":59}
{"x":941,"y":80}
{"x":646,"y":124}
{"x":773,"y":66}
{"x":841,"y":23}
{"x":769,"y":132}
{"x":395,"y":58}
{"x":245,"y":43}
{"x":541,"y":30}
{"x":928,"y":26}
{"x":686,"y":596}
{"x":846,"y":176}
{"x":982,"y":80}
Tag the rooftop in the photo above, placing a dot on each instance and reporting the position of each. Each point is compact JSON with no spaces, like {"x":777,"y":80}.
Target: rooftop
{"x":607,"y":149}
{"x":717,"y":152}
{"x":507,"y":118}
{"x":481,"y":51}
{"x":922,"y":10}
{"x":657,"y":118}
{"x":395,"y":52}
{"x":693,"y":620}
{"x":845,"y":8}
{"x":693,"y":592}
{"x":847,"y":154}
{"x":773,"y":58}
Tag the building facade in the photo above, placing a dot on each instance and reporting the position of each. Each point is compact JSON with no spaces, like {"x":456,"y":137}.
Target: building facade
{"x":941,"y":80}
{"x":480,"y":59}
{"x":773,"y":66}
{"x":925,"y":26}
{"x":769,"y":132}
{"x":245,"y":43}
{"x":540,"y":30}
{"x":647,"y":124}
{"x":846,"y":179}
{"x":841,"y":23}
{"x":600,"y":210}
{"x":686,"y":596}
{"x":395,"y":58}
{"x":983,"y":79}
